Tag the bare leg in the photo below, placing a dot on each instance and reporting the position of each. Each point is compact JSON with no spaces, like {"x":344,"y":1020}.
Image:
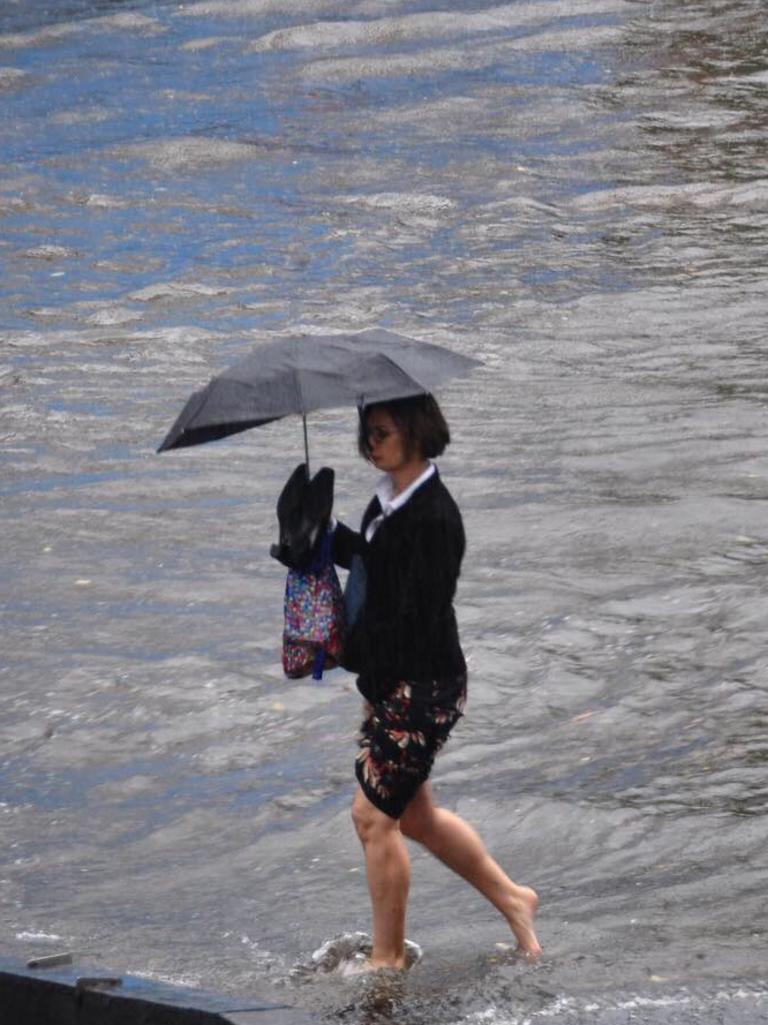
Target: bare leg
{"x":458,"y":846}
{"x":388,"y":868}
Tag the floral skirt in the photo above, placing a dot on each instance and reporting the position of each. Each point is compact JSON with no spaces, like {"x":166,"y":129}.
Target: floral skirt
{"x":399,"y":739}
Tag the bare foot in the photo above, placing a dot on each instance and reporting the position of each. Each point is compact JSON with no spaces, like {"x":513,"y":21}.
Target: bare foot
{"x":376,"y":966}
{"x":363,"y":962}
{"x":411,"y":956}
{"x":365,"y":967}
{"x":522,"y":908}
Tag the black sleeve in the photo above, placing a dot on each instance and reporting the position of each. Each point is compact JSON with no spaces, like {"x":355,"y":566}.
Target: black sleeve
{"x":346,"y":543}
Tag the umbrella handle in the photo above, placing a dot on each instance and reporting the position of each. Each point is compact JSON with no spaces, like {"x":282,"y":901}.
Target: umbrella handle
{"x":306,"y":440}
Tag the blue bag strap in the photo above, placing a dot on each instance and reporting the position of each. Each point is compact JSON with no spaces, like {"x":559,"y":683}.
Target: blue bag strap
{"x":324,"y":554}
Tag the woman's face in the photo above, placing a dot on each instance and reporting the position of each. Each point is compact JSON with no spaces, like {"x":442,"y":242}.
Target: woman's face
{"x":386,"y":442}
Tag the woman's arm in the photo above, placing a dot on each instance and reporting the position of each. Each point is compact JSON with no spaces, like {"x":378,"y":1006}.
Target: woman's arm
{"x":346,"y":544}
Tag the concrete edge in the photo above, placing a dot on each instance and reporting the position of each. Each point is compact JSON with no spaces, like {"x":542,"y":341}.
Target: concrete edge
{"x":67,"y":996}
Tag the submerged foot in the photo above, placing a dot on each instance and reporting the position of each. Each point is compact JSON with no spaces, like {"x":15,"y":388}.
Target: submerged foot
{"x":363,"y":962}
{"x":522,"y":909}
{"x":385,"y":966}
{"x":362,"y":965}
{"x":411,"y":955}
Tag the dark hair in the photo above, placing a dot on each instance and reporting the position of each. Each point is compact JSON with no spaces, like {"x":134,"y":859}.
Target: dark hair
{"x":419,"y":420}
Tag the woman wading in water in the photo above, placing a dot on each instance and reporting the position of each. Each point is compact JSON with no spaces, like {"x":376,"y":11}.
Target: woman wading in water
{"x":404,"y":646}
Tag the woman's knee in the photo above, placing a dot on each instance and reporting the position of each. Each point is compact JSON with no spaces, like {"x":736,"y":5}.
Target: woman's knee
{"x":368,"y":820}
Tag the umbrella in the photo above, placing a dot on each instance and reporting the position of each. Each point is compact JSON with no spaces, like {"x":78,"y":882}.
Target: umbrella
{"x":301,"y":373}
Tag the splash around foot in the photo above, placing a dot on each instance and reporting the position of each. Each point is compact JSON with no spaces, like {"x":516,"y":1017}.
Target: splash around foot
{"x":348,"y":955}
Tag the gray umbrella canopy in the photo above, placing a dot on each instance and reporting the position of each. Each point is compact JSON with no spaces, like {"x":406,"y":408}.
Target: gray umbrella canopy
{"x":302,"y":373}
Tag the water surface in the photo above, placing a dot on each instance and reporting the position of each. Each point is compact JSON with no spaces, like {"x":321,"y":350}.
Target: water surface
{"x":573,"y":192}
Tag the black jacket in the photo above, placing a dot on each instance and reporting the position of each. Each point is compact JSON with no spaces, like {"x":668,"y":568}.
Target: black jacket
{"x":407,"y":628}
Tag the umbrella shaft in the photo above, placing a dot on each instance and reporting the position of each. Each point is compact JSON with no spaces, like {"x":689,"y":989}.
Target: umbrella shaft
{"x":306,"y":441}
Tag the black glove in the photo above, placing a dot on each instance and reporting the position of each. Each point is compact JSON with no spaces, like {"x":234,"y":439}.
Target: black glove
{"x":303,"y":514}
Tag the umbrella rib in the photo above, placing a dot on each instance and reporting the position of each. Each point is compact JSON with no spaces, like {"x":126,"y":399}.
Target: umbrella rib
{"x":405,"y":374}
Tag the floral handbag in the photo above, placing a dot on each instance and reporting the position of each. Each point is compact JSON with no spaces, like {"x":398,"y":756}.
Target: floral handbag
{"x":314,"y":617}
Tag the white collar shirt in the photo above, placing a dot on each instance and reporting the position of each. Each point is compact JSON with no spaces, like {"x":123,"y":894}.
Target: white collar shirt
{"x":390,"y":502}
